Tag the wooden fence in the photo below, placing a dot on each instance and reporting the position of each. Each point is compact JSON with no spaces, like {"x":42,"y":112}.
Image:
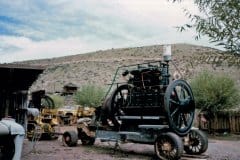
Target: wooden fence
{"x":223,"y":122}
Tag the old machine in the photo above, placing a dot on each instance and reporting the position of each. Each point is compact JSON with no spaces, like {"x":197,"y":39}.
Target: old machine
{"x":45,"y":124}
{"x":148,"y":108}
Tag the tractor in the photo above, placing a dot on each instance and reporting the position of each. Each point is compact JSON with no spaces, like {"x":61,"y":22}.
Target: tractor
{"x":44,"y":125}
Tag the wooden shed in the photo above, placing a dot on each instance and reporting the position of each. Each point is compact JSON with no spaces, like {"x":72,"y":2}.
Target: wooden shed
{"x":15,"y":81}
{"x":69,"y":89}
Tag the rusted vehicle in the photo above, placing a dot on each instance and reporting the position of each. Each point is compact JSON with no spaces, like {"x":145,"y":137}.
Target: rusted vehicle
{"x":85,"y":111}
{"x":148,"y":108}
{"x":44,"y":125}
{"x":70,"y":114}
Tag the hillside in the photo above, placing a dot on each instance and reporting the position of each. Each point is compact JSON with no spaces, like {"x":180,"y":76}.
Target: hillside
{"x":99,"y":67}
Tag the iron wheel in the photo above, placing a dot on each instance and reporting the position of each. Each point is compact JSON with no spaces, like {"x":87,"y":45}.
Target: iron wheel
{"x":168,"y":146}
{"x":180,"y":106}
{"x":119,"y":99}
{"x":116,"y":102}
{"x":198,"y":142}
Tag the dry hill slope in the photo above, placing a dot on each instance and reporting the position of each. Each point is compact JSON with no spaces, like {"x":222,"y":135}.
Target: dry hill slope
{"x":99,"y":67}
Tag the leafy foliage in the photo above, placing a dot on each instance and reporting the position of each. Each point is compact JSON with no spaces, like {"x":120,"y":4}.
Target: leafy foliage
{"x":58,"y":100}
{"x":219,"y":21}
{"x":90,"y":95}
{"x":214,"y":92}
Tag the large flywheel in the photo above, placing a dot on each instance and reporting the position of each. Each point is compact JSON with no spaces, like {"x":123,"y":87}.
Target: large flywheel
{"x":114,"y":105}
{"x":47,"y":102}
{"x":180,"y":106}
{"x":119,"y":100}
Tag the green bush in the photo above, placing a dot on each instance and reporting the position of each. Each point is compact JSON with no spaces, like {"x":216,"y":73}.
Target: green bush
{"x":58,"y":100}
{"x":214,"y":92}
{"x":90,"y":95}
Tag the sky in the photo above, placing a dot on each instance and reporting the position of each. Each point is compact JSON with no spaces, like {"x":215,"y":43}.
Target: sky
{"x":37,"y":29}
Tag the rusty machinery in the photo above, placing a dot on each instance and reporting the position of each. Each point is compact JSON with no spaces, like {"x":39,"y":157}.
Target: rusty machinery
{"x":149,"y":108}
{"x":45,"y":125}
{"x":68,"y":115}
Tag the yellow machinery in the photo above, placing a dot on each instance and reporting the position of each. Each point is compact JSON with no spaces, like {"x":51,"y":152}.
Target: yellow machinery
{"x":70,"y":114}
{"x":85,"y":111}
{"x":45,"y":125}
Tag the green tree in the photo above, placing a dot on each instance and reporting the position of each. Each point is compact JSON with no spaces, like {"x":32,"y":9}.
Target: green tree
{"x":214,"y":92}
{"x":90,"y":95}
{"x":219,"y":20}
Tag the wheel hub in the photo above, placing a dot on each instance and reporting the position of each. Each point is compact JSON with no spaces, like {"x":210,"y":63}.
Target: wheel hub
{"x":186,"y":105}
{"x":167,"y":147}
{"x":194,"y":142}
{"x":67,"y":138}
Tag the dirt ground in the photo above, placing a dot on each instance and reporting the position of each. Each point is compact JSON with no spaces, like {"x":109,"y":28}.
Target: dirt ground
{"x":54,"y":150}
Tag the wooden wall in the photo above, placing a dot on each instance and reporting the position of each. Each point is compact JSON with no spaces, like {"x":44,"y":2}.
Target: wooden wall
{"x":223,"y":122}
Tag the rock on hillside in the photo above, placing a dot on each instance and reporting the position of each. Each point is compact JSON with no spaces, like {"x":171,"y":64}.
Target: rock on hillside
{"x":99,"y":67}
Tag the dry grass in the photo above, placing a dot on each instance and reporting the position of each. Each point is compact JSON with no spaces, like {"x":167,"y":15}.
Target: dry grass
{"x":99,"y":67}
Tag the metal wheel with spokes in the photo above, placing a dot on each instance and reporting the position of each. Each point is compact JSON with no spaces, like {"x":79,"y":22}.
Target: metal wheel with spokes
{"x":119,"y":99}
{"x":198,"y":142}
{"x":116,"y":102}
{"x":47,"y":102}
{"x":168,"y":146}
{"x":180,"y":106}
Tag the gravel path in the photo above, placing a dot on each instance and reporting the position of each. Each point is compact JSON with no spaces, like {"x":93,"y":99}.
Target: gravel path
{"x":54,"y":150}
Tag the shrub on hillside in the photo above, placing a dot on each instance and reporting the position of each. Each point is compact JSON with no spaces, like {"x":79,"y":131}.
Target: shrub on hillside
{"x":214,"y":92}
{"x":58,"y":100}
{"x":89,"y":95}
